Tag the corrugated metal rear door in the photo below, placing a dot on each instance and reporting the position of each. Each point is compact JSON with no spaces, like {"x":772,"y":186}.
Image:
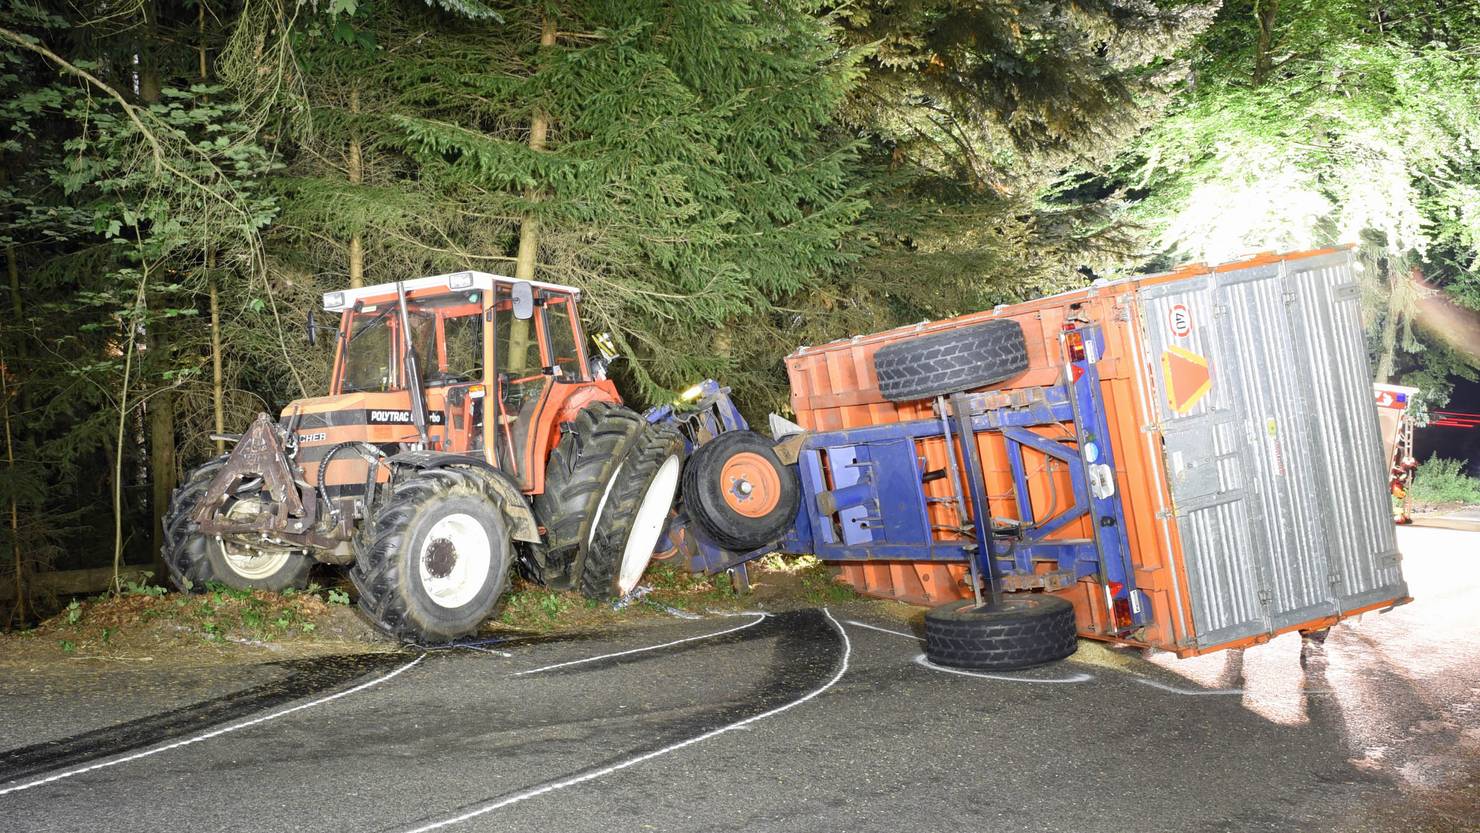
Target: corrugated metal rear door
{"x":1203,"y":429}
{"x":1269,"y":367}
{"x":1347,"y":444}
{"x":1274,"y":470}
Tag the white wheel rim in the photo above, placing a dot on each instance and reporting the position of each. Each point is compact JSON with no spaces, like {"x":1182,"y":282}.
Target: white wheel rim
{"x":648,"y":524}
{"x":254,"y":564}
{"x":601,"y":504}
{"x":454,"y":560}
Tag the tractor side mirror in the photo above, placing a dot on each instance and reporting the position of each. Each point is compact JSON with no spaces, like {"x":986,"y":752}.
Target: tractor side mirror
{"x":523,"y":301}
{"x":311,"y":333}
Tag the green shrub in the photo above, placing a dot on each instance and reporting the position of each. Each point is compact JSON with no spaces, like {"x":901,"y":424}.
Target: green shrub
{"x":1441,"y":480}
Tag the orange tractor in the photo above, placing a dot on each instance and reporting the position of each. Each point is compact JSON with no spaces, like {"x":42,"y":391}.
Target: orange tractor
{"x":465,"y":428}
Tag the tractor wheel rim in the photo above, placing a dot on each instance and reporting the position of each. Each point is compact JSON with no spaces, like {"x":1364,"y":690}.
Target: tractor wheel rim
{"x":246,"y":561}
{"x":750,"y":484}
{"x":601,"y":504}
{"x":647,"y":525}
{"x":455,"y":559}
{"x":254,"y":566}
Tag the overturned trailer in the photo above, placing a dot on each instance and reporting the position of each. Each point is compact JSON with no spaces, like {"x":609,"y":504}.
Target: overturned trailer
{"x":1188,"y":461}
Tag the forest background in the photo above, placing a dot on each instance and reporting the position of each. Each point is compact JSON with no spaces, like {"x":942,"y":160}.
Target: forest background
{"x":726,"y":180}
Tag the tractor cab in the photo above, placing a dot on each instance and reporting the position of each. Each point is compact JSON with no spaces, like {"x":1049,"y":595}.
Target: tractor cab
{"x":468,"y":363}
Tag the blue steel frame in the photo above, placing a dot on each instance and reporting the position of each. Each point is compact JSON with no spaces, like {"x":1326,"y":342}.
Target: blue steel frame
{"x":876,"y":508}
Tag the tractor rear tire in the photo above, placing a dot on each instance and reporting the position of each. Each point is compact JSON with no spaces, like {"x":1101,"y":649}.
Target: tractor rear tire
{"x":434,"y":559}
{"x":636,"y":511}
{"x":951,"y":361}
{"x":578,"y":480}
{"x":736,"y":490}
{"x":1022,"y":631}
{"x":195,"y":559}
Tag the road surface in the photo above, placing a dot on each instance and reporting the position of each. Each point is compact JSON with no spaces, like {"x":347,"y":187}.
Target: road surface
{"x":802,"y":721}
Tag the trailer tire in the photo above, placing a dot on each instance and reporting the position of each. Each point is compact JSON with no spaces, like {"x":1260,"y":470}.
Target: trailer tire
{"x":740,"y":522}
{"x":578,"y":478}
{"x":434,"y":559}
{"x":951,"y":361}
{"x":1024,"y":630}
{"x":635,"y":514}
{"x":195,"y":559}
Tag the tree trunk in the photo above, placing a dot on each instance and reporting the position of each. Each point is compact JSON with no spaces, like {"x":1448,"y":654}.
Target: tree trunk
{"x":529,"y":229}
{"x":354,"y":165}
{"x":18,"y":610}
{"x":1264,"y":15}
{"x":218,"y":391}
{"x":162,"y":469}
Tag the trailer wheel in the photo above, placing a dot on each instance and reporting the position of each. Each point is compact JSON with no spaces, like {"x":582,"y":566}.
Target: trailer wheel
{"x":579,"y":477}
{"x":952,"y":361}
{"x":736,"y":489}
{"x":1022,"y":631}
{"x":433,"y":561}
{"x":194,"y":558}
{"x":636,"y":511}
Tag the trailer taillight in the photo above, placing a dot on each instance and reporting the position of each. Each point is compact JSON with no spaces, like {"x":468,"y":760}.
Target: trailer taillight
{"x":1074,"y":342}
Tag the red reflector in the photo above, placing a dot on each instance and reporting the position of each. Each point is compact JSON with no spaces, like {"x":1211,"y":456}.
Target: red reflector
{"x":1078,"y":371}
{"x":1116,"y":587}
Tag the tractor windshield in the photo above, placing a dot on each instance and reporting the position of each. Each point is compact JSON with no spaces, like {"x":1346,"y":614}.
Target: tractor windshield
{"x":371,"y":358}
{"x":446,"y":330}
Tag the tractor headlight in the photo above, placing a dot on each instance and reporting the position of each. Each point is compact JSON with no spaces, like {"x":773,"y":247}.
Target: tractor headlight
{"x":333,"y":300}
{"x":692,"y":393}
{"x":462,"y":280}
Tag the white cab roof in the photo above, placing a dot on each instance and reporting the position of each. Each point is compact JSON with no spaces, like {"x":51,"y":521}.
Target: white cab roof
{"x":344,"y":299}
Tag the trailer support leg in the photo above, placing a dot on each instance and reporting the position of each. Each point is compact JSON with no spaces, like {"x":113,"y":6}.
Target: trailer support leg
{"x":981,"y":514}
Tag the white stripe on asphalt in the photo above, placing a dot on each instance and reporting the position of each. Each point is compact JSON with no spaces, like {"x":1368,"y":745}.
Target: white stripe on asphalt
{"x":760,"y":617}
{"x":923,"y":662}
{"x":884,"y":630}
{"x":208,"y":735}
{"x":631,"y":762}
{"x":1193,"y":692}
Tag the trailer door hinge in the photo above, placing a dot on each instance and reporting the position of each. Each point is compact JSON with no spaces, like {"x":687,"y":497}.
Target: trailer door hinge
{"x":1264,"y":596}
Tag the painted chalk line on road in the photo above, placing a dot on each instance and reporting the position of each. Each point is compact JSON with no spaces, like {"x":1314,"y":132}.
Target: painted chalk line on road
{"x":1077,"y":677}
{"x":1191,"y":692}
{"x":760,"y":617}
{"x":884,"y":630}
{"x":631,"y":762}
{"x":211,"y":734}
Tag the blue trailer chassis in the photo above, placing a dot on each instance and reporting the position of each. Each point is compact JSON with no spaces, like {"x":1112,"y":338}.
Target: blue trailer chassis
{"x":876,"y":508}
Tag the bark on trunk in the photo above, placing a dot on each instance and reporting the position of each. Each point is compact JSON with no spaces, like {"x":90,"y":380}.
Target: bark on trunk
{"x":354,"y":165}
{"x":529,"y":229}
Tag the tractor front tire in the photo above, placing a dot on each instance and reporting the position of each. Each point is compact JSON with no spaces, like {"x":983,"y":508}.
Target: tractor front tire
{"x":637,"y":508}
{"x":579,"y":478}
{"x":195,"y":559}
{"x":434,"y":559}
{"x":1021,"y":631}
{"x":737,"y":491}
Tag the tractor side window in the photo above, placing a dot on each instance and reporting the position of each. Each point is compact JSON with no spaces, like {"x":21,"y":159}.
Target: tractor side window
{"x":464,"y":334}
{"x":368,"y":356}
{"x":517,"y":347}
{"x":565,"y":355}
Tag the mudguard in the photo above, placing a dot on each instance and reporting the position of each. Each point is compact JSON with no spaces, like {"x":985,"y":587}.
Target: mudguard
{"x":521,"y":518}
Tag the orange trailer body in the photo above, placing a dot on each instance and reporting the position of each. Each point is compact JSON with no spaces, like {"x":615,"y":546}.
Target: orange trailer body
{"x":1181,"y":353}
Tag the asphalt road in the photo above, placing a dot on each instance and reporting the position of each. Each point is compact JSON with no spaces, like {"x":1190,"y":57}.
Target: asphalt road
{"x":802,"y":721}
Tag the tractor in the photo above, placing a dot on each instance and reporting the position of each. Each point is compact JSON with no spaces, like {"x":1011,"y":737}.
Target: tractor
{"x":466,"y":431}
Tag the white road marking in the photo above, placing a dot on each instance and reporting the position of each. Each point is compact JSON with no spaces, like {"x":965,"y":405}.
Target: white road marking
{"x":1191,"y":692}
{"x":211,"y":734}
{"x":760,"y":617}
{"x":1078,"y":677}
{"x":884,"y":630}
{"x":631,"y":762}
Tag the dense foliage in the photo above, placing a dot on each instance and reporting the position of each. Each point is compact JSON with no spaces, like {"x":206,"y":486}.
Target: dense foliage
{"x":1318,"y":122}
